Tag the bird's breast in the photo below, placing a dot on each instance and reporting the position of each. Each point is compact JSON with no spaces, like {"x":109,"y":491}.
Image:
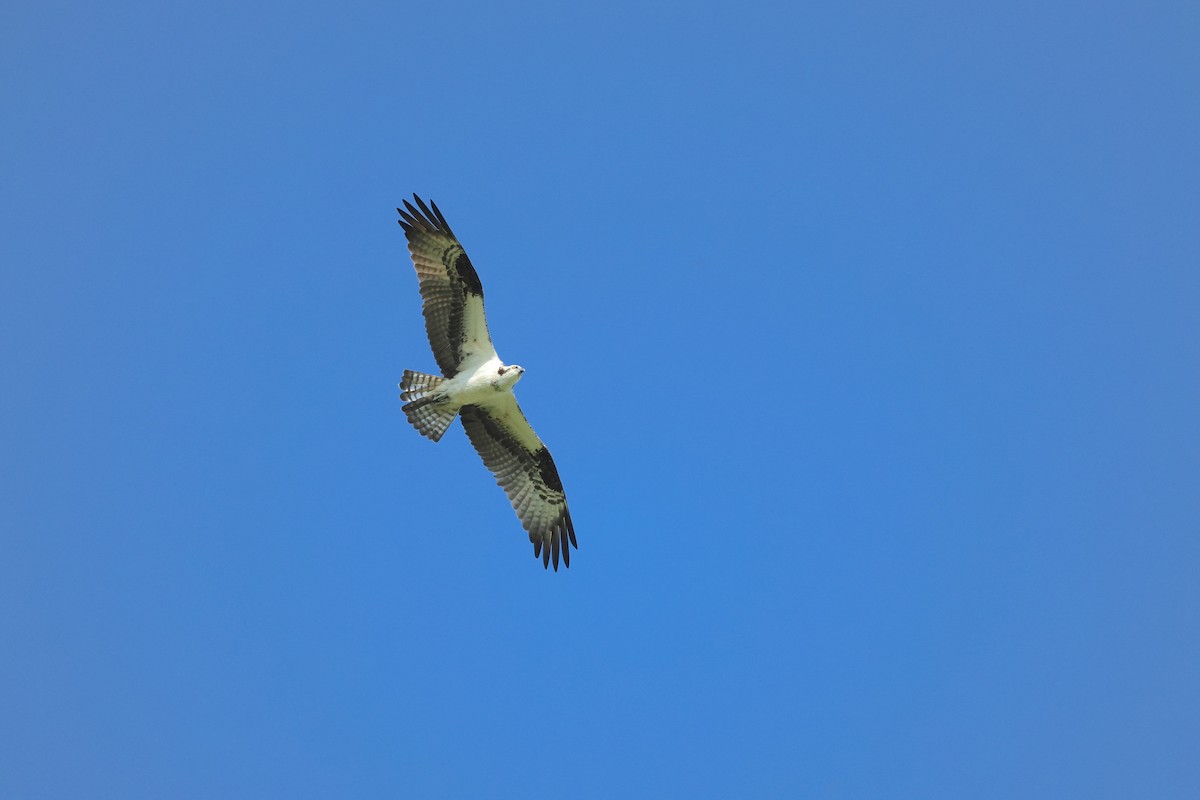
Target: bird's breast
{"x":477,"y":386}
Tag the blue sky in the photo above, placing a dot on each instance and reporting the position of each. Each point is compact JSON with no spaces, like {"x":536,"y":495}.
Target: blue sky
{"x":864,"y":336}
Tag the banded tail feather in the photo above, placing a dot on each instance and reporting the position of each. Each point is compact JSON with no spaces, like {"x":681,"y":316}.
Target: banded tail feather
{"x":425,"y":407}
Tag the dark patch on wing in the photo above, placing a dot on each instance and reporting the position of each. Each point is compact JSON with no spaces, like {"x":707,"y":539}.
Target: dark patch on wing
{"x":547,"y":469}
{"x":467,"y":275}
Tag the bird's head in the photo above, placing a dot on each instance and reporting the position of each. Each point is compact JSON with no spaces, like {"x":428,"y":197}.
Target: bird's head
{"x":509,"y":374}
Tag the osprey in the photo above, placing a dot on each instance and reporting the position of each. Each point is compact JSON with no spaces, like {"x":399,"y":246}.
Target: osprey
{"x":477,"y":386}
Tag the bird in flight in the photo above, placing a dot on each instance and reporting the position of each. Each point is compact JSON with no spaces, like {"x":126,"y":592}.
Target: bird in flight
{"x":477,"y":386}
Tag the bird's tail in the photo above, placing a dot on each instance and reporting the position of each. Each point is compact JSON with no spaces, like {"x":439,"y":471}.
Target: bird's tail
{"x":426,"y":407}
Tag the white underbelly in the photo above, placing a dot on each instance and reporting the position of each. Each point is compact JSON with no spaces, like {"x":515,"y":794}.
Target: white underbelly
{"x":477,"y":387}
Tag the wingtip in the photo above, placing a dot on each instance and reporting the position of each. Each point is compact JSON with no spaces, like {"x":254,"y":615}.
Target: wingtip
{"x":407,"y":221}
{"x":570,"y":526}
{"x":426,"y":216}
{"x":441,"y":220}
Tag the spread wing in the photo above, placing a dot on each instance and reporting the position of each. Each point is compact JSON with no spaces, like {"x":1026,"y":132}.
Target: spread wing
{"x":523,"y":467}
{"x":453,"y":308}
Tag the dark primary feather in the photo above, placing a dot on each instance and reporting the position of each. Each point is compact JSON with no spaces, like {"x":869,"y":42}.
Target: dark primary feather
{"x":523,"y":467}
{"x":424,"y":218}
{"x":447,"y":279}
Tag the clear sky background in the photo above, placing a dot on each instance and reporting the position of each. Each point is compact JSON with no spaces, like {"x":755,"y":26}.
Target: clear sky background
{"x":865,"y":337}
